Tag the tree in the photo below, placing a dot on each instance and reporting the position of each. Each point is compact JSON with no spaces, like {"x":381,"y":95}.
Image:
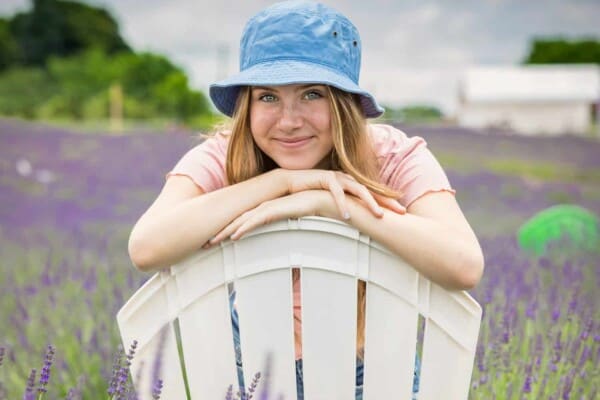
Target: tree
{"x":9,"y":48}
{"x":24,"y":90}
{"x":563,"y":51}
{"x":62,"y":28}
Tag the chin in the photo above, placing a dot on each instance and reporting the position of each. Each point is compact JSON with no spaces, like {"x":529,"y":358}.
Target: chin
{"x":295,"y":164}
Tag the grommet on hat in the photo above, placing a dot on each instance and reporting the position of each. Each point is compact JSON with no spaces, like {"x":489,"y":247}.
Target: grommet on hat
{"x":297,"y":42}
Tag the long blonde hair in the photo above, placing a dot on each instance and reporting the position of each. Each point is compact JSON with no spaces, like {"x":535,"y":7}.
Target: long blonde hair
{"x":352,"y":154}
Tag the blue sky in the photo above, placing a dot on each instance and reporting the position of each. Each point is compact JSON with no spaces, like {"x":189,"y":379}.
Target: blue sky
{"x":413,"y":51}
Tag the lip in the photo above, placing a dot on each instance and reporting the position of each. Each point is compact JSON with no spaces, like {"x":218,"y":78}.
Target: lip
{"x":293,"y":142}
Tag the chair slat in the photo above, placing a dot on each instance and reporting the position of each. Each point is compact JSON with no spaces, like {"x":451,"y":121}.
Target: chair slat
{"x":158,"y":359}
{"x":264,"y":304}
{"x":390,"y":345}
{"x":449,"y":344}
{"x":328,"y":335}
{"x":146,"y":318}
{"x":207,"y":341}
{"x":446,"y":367}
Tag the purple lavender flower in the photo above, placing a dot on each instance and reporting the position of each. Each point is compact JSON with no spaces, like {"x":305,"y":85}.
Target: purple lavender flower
{"x":253,"y":385}
{"x":229,"y":395}
{"x":123,"y":373}
{"x":157,"y":389}
{"x":566,"y":394}
{"x":45,"y":374}
{"x":587,"y":328}
{"x":527,"y":384}
{"x":113,"y":385}
{"x":29,"y":389}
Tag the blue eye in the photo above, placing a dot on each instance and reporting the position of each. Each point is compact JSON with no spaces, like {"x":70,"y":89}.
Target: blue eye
{"x":312,"y":94}
{"x":268,"y":98}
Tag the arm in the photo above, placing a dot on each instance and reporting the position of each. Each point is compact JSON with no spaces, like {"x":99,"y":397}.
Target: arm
{"x":433,"y":236}
{"x":183,"y":218}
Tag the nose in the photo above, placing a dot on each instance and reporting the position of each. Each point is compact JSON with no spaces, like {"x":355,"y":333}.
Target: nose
{"x":291,"y":117}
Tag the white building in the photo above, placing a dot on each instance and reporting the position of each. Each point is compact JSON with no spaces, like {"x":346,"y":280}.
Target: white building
{"x":532,"y":99}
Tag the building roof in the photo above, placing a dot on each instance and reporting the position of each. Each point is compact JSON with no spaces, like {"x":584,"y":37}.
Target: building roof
{"x":550,"y":82}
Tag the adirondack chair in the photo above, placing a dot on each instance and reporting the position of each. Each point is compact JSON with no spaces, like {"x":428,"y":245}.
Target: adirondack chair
{"x":181,"y":319}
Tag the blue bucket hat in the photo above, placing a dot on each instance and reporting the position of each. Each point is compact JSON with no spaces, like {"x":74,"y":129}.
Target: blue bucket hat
{"x":296,"y":42}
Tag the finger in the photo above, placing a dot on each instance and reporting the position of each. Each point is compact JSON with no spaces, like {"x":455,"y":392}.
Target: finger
{"x":339,"y":196}
{"x":359,"y":190}
{"x":256,"y":220}
{"x":229,"y":229}
{"x":391,"y":204}
{"x":364,"y":194}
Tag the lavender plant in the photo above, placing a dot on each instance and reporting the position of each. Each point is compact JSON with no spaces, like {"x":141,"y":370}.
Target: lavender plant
{"x":68,"y":202}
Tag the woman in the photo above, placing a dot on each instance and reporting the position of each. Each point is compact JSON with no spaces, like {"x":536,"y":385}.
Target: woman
{"x":300,"y":145}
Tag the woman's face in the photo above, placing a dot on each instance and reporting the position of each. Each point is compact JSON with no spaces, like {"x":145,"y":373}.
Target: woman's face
{"x":292,"y":124}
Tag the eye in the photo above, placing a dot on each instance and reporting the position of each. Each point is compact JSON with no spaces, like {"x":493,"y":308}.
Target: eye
{"x":312,"y":95}
{"x":267,"y":98}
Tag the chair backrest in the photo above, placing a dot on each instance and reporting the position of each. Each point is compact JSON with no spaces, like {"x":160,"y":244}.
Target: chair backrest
{"x":182,"y":315}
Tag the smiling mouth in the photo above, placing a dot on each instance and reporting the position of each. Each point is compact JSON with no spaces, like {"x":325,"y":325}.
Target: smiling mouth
{"x":294,"y":142}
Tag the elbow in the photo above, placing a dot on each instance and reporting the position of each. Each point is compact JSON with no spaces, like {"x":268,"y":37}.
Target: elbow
{"x":472,"y":270}
{"x":141,"y":255}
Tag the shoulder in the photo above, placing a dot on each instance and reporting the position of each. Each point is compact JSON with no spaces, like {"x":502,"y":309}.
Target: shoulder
{"x":214,"y":146}
{"x":387,"y":140}
{"x":217,"y":141}
{"x":204,"y":164}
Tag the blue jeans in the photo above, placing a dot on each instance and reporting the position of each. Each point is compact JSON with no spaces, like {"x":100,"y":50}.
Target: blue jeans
{"x":299,"y":380}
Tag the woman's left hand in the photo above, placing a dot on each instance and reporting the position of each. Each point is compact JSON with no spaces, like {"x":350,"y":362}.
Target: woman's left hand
{"x":296,"y":205}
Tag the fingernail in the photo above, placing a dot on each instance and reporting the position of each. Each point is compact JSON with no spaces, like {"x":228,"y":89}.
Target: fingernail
{"x":379,"y":211}
{"x":346,"y":215}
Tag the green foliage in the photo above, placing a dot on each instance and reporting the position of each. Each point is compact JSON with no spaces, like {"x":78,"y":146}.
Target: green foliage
{"x":77,"y":87}
{"x":24,"y":91}
{"x":412,"y":114}
{"x":82,"y":55}
{"x":563,"y":51}
{"x":9,"y":48}
{"x":63,"y":28}
{"x":79,"y":78}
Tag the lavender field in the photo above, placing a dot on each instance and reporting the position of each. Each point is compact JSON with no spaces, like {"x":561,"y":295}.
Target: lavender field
{"x":68,"y":201}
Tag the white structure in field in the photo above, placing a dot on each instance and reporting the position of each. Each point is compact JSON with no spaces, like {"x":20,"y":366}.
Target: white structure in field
{"x":531,"y":99}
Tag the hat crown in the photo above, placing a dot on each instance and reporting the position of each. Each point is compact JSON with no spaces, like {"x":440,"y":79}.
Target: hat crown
{"x":302,"y":31}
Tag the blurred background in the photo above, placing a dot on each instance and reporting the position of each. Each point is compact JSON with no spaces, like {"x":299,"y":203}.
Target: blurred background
{"x":531,"y":67}
{"x":99,"y":100}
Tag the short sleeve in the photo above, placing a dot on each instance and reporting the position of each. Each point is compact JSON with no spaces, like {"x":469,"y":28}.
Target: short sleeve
{"x":205,"y":164}
{"x":407,"y":165}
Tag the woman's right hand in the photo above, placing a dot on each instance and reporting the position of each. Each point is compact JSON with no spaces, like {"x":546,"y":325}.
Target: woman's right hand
{"x":338,"y":184}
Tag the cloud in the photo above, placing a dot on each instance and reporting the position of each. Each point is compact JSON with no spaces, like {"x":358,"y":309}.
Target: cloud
{"x":413,"y":51}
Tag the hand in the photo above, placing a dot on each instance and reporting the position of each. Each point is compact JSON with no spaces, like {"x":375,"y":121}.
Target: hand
{"x":307,"y":202}
{"x":339,"y":183}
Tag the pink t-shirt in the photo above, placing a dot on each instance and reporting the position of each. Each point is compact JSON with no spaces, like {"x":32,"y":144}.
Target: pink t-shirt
{"x":405,"y":163}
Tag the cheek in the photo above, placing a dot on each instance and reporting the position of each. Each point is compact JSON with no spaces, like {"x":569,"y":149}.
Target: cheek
{"x":322,"y":119}
{"x":260,"y":122}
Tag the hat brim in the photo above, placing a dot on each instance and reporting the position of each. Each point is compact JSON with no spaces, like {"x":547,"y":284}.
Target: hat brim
{"x":287,"y":72}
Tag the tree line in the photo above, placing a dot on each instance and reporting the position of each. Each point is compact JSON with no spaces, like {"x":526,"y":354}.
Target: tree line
{"x":61,"y":58}
{"x":560,"y":50}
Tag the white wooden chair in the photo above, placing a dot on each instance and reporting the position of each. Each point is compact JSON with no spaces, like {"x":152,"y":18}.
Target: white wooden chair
{"x":185,"y":310}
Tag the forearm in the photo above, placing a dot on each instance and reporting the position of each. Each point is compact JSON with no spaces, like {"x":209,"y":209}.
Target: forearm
{"x":448,"y":257}
{"x":165,"y":239}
